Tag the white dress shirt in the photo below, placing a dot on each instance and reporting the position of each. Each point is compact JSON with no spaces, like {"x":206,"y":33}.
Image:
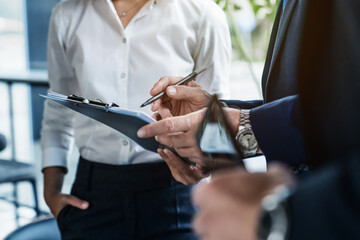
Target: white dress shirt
{"x":90,"y":54}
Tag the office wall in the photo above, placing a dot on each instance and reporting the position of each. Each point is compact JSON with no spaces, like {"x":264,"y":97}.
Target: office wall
{"x":38,"y":13}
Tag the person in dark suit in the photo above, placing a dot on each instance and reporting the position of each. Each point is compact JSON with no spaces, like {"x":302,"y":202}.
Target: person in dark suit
{"x":326,"y":204}
{"x":274,"y":121}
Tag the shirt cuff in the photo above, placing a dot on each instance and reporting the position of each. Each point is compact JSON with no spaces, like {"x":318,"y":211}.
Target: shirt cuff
{"x":54,"y":157}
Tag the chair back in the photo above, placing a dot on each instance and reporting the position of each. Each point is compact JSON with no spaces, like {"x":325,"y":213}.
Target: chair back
{"x":2,"y":142}
{"x":42,"y":229}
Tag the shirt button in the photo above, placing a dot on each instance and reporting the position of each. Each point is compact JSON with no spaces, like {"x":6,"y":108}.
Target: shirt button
{"x":125,"y":142}
{"x":124,"y":40}
{"x":123,"y":75}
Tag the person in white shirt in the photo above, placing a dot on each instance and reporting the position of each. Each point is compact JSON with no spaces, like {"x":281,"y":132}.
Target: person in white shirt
{"x":115,"y":51}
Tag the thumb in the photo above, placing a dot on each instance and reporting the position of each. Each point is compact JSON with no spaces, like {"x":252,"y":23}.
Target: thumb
{"x":77,"y":202}
{"x":186,"y":93}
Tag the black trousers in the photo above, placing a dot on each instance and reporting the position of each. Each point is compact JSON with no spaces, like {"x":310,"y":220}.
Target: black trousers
{"x":140,"y":201}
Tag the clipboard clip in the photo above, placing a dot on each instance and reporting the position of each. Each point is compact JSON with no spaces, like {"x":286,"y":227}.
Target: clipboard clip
{"x":97,"y":102}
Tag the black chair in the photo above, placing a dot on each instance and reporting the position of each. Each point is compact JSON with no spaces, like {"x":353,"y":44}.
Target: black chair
{"x":15,"y":172}
{"x":44,"y":228}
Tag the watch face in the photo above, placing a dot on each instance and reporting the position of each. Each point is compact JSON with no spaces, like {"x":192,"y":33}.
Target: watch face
{"x":247,"y":140}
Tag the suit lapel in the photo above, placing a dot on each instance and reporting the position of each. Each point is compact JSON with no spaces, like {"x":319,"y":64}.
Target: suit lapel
{"x":281,"y":33}
{"x":270,"y":50}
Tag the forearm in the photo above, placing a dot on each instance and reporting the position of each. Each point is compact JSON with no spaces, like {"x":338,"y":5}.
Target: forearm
{"x":277,"y":127}
{"x":56,"y":135}
{"x":53,"y":181}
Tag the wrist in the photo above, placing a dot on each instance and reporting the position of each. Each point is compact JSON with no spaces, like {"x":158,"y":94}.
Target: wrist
{"x":233,"y":115}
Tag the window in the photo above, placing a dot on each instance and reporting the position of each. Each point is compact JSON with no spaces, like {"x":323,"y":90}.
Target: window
{"x":12,"y":36}
{"x":23,"y":34}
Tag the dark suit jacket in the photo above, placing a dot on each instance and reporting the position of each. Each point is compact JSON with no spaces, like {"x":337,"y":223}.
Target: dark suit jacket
{"x":275,"y":120}
{"x":326,"y":205}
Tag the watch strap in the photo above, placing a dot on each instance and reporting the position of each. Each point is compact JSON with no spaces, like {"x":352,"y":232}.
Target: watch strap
{"x":245,"y":130}
{"x":245,"y":118}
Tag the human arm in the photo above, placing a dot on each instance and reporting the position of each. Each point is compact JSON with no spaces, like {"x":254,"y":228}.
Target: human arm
{"x":179,"y":133}
{"x":53,"y":181}
{"x":178,"y":100}
{"x":277,"y":128}
{"x":213,"y":51}
{"x":229,"y":206}
{"x":275,"y":125}
{"x":57,"y":131}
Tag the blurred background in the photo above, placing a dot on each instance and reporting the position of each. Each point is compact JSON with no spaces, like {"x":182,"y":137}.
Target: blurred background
{"x":23,"y":41}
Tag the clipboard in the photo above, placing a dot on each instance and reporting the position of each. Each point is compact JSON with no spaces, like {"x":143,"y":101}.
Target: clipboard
{"x":125,"y":121}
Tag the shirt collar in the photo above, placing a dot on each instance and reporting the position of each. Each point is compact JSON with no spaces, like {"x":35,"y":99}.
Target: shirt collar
{"x":143,"y":11}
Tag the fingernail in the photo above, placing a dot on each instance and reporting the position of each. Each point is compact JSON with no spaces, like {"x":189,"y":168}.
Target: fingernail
{"x":84,"y":205}
{"x":167,"y":152}
{"x":171,"y":90}
{"x":141,"y":133}
{"x":156,"y":138}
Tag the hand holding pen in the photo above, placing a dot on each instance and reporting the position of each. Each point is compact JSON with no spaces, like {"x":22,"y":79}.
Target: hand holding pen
{"x":179,"y":99}
{"x":182,"y":81}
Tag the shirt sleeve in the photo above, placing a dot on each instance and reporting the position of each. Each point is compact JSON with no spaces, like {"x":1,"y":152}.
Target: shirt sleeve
{"x":243,"y":104}
{"x":213,"y":51}
{"x":57,"y":130}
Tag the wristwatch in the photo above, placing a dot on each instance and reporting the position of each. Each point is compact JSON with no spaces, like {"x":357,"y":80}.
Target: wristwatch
{"x":275,"y":215}
{"x":245,"y":136}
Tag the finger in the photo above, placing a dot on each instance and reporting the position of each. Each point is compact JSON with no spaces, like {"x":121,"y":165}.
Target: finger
{"x":181,"y":171}
{"x":77,"y":202}
{"x":193,"y":151}
{"x":165,"y":126}
{"x":170,"y":162}
{"x":173,"y":165}
{"x":172,"y":125}
{"x":155,"y":105}
{"x":164,"y":111}
{"x":182,"y":92}
{"x":182,"y":140}
{"x":200,"y":171}
{"x":162,"y":84}
{"x":192,"y":83}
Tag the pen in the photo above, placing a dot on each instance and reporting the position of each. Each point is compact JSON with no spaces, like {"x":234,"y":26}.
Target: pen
{"x":185,"y":80}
